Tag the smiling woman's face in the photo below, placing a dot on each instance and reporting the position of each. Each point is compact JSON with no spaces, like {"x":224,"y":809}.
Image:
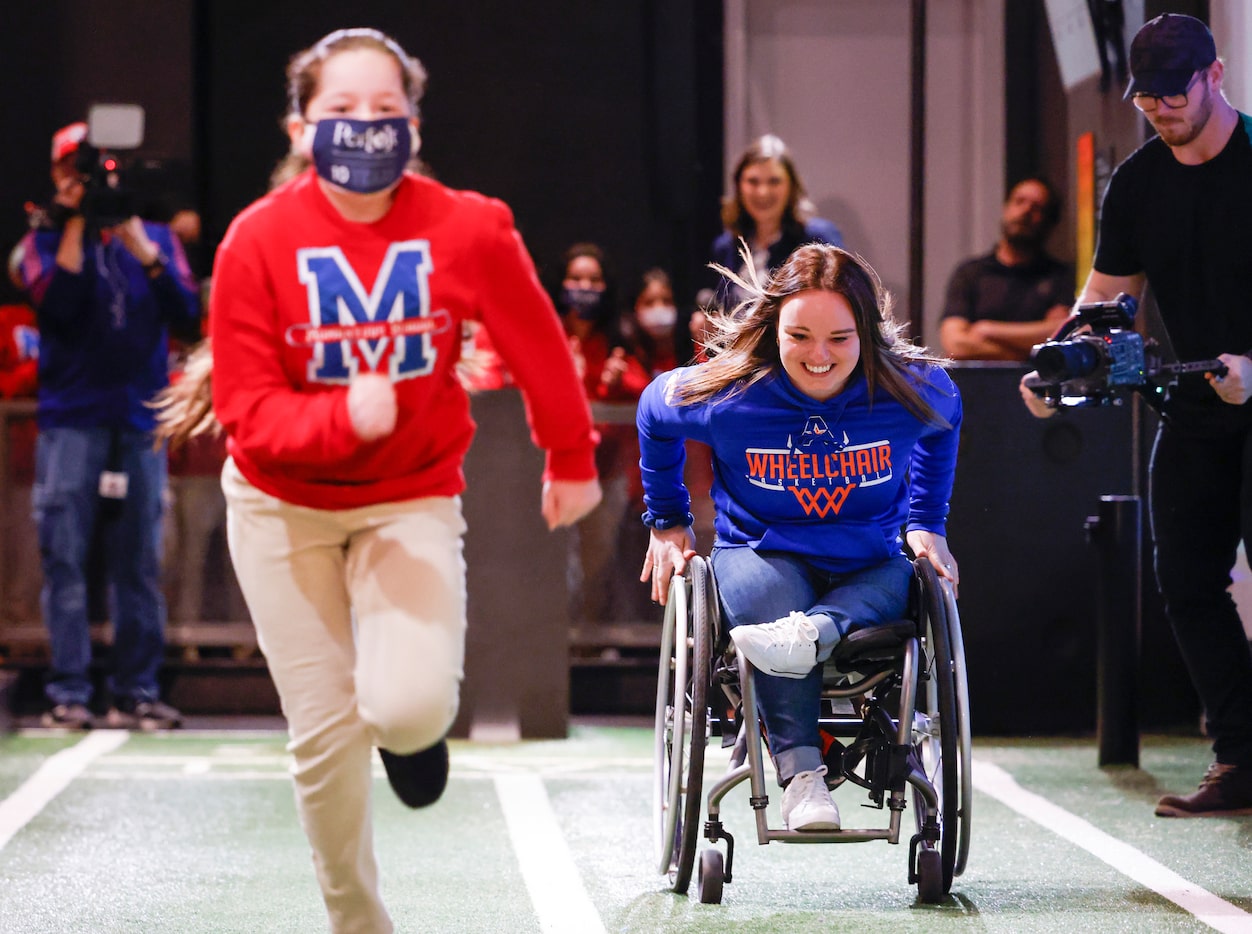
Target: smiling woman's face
{"x":817,"y":342}
{"x":764,"y":190}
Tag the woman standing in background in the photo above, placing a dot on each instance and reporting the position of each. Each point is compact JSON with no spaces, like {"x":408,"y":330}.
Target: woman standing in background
{"x":769,"y":210}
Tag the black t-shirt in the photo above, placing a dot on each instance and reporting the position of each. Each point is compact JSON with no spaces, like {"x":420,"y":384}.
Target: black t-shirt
{"x":1189,"y":229}
{"x":984,"y":289}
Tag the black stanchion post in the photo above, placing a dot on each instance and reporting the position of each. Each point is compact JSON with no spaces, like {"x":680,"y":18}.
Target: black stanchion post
{"x":1118,"y":539}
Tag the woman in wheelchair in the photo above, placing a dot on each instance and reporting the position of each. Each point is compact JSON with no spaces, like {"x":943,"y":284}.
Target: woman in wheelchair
{"x":829,"y":434}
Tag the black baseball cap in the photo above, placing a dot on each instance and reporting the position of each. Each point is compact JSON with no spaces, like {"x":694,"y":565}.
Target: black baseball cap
{"x":1166,"y":52}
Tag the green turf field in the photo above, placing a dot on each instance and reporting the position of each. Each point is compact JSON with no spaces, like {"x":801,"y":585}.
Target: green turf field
{"x":195,"y":831}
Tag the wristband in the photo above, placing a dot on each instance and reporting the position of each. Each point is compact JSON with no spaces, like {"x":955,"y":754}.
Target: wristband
{"x":662,"y":523}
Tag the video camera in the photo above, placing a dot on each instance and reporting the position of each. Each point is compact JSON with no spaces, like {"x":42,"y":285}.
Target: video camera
{"x":1106,"y":360}
{"x":108,"y":199}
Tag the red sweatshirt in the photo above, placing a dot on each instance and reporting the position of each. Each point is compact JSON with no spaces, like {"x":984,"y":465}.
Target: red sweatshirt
{"x":303,"y":299}
{"x":19,"y":365}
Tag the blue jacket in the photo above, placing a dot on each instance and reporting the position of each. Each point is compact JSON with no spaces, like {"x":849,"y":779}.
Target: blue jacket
{"x":725,"y":251}
{"x":815,"y":230}
{"x":104,"y":331}
{"x":833,"y":482}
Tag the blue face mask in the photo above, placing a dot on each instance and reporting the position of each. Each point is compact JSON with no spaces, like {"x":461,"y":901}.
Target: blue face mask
{"x":363,"y":156}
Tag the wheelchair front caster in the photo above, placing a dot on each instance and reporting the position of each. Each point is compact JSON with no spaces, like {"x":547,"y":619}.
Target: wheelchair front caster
{"x":929,"y":876}
{"x":710,"y":876}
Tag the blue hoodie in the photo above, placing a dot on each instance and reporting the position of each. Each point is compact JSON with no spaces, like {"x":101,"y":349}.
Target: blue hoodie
{"x":833,"y":482}
{"x":104,"y":331}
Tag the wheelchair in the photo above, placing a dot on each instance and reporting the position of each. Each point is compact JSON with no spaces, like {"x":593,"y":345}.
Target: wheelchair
{"x":895,"y":710}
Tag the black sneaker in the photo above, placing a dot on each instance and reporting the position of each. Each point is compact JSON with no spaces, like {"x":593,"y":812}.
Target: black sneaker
{"x":130,"y":714}
{"x":419,"y":778}
{"x":1225,"y":791}
{"x":67,"y":717}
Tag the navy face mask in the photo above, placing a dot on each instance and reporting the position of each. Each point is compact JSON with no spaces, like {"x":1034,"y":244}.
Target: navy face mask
{"x":363,"y":156}
{"x":585,"y":303}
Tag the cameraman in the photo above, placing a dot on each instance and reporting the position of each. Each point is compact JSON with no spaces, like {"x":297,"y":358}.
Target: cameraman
{"x":107,"y":293}
{"x":1178,"y":215}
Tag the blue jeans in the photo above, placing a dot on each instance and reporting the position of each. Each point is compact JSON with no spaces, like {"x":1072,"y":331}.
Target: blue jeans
{"x":758,"y":587}
{"x":69,"y":511}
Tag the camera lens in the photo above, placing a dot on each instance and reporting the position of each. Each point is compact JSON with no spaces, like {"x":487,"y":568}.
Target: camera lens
{"x":1062,"y":360}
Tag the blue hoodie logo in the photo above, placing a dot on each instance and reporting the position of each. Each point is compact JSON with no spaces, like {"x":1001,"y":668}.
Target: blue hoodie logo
{"x":820,"y":469}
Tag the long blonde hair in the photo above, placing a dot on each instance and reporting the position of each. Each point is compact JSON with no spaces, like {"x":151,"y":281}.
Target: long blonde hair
{"x":743,"y":348}
{"x":184,"y":409}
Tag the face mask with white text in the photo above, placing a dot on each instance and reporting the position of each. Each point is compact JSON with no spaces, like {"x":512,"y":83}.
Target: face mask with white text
{"x":362,"y":156}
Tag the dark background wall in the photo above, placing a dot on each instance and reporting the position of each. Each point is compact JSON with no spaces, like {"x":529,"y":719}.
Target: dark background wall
{"x":593,"y":121}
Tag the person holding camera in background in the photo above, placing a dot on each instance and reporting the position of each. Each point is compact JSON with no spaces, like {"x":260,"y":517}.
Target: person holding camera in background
{"x":1178,"y":215}
{"x":107,"y":292}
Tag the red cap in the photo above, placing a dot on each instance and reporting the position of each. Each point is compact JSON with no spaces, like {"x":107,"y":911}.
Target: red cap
{"x":65,"y":140}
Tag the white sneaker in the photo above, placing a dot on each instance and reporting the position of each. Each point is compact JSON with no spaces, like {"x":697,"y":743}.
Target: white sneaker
{"x":806,"y":803}
{"x":786,"y":647}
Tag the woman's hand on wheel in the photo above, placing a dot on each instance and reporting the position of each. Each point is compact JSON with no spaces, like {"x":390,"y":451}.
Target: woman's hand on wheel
{"x":934,"y":548}
{"x":668,"y":554}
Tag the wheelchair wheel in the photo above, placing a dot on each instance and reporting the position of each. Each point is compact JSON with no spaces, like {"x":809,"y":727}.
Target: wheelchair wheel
{"x":930,"y":889}
{"x":682,"y":720}
{"x":937,"y":737}
{"x":712,"y":875}
{"x":965,"y":750}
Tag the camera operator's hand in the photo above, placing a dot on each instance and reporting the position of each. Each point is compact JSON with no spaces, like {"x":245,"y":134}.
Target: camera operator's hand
{"x":69,"y":185}
{"x":69,"y":198}
{"x":1235,"y":387}
{"x":1037,"y":407}
{"x":70,"y":249}
{"x":132,"y":235}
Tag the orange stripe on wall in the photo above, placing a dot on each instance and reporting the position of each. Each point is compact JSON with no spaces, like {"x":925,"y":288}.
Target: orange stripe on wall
{"x":1085,"y":227}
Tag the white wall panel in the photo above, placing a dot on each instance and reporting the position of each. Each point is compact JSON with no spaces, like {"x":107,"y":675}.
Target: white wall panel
{"x":832,"y":79}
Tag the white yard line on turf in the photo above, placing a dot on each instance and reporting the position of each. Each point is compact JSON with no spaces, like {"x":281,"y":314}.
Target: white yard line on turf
{"x":555,"y":886}
{"x":1204,"y":905}
{"x":51,"y":778}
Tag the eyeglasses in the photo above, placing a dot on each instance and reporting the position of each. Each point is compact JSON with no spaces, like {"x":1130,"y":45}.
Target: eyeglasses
{"x":1147,"y":102}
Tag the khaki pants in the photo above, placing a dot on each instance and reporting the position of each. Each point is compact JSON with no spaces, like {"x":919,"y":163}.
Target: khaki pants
{"x":361,"y":616}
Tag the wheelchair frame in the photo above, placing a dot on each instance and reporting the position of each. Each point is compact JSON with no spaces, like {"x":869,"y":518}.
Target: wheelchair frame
{"x":910,"y":734}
